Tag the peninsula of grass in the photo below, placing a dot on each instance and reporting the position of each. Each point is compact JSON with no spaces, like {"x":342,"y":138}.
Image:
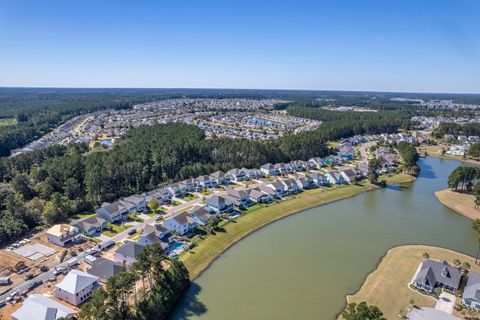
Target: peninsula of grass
{"x":462,"y":203}
{"x":208,"y":249}
{"x":388,"y":286}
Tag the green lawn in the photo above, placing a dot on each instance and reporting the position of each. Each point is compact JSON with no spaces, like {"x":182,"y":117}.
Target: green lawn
{"x":136,"y":236}
{"x":134,"y":217}
{"x":84,"y":215}
{"x":189,"y":197}
{"x":113,"y":230}
{"x":212,"y":246}
{"x":150,"y":213}
{"x":174,"y":203}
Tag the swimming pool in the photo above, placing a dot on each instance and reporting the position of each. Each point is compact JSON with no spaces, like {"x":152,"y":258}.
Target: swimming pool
{"x":261,"y":121}
{"x":175,"y":248}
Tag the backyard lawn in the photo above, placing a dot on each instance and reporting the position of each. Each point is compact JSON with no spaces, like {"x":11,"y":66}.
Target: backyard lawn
{"x":387,"y":286}
{"x":189,"y":197}
{"x":113,"y":229}
{"x":84,"y":215}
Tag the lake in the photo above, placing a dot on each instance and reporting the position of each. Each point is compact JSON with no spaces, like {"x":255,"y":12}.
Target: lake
{"x":301,"y":267}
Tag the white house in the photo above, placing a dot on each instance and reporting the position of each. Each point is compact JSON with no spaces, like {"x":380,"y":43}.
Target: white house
{"x":63,"y":234}
{"x":181,"y":223}
{"x":139,"y":202}
{"x":76,"y":287}
{"x":113,"y":212}
{"x":40,"y":307}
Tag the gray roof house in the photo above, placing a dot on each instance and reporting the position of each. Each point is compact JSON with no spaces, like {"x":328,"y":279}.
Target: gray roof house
{"x":220,"y":177}
{"x":471,"y":293}
{"x":113,"y":211}
{"x":76,"y":287}
{"x":128,"y":252}
{"x":203,"y":214}
{"x":432,"y":274}
{"x":138,"y":201}
{"x":237,"y":175}
{"x":258,"y":196}
{"x":219,"y":204}
{"x":429,"y":314}
{"x":103,"y":269}
{"x":91,"y":225}
{"x":40,"y":307}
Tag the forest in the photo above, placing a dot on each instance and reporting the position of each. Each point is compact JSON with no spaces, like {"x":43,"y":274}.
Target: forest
{"x":456,"y":129}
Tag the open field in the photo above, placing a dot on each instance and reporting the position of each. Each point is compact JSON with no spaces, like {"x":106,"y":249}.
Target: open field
{"x":459,"y":202}
{"x":436,"y":151}
{"x":211,"y":247}
{"x":387,"y":286}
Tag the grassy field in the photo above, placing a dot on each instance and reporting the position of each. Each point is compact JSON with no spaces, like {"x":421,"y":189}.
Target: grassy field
{"x":459,"y":202}
{"x":387,"y":286}
{"x":115,"y":229}
{"x":84,"y":215}
{"x":211,"y":247}
{"x":189,"y":197}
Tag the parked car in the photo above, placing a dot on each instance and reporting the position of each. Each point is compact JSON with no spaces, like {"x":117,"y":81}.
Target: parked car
{"x":44,"y":268}
{"x":132,"y":231}
{"x":29,"y":276}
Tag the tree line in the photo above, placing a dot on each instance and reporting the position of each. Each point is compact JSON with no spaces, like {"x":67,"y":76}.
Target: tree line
{"x":456,"y":129}
{"x":163,"y":281}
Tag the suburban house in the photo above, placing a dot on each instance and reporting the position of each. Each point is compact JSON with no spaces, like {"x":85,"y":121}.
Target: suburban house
{"x":219,"y":204}
{"x":191,"y":185}
{"x":298,"y":165}
{"x":241,"y":195}
{"x":139,"y":202}
{"x":113,"y":212}
{"x":182,"y":223}
{"x":471,"y":293}
{"x":253,"y":173}
{"x":162,"y":195}
{"x":316,"y":163}
{"x":203,"y":214}
{"x":258,"y":196}
{"x":305,"y":182}
{"x":432,"y":274}
{"x":220,"y":178}
{"x":41,"y":307}
{"x":103,"y":269}
{"x":349,"y":175}
{"x":91,"y":225}
{"x":237,"y":175}
{"x":63,"y":234}
{"x":76,"y":287}
{"x":283,"y":168}
{"x":177,"y":189}
{"x":237,"y":204}
{"x":318,"y":178}
{"x":127,"y":253}
{"x":153,"y":234}
{"x":279,"y":188}
{"x":268,"y":190}
{"x":333,"y":177}
{"x":206,"y":182}
{"x":269,"y":170}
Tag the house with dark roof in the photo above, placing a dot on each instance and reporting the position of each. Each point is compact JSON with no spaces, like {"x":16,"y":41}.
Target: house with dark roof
{"x":103,"y":269}
{"x":219,"y":204}
{"x":433,"y":274}
{"x":291,"y":186}
{"x":91,"y":226}
{"x":305,"y":182}
{"x":318,"y":178}
{"x":316,"y":163}
{"x":471,"y":292}
{"x":181,"y":223}
{"x":206,"y":182}
{"x":177,"y":189}
{"x":278,"y":187}
{"x":349,"y":175}
{"x":113,"y":212}
{"x":253,"y":173}
{"x":156,"y":233}
{"x":203,"y":214}
{"x":127,"y":253}
{"x":241,"y":195}
{"x":333,"y":177}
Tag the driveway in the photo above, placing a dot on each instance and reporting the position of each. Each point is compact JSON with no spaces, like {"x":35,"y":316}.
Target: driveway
{"x":446,"y":302}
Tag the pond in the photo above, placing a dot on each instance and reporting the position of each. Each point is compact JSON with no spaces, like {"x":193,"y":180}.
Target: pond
{"x":301,"y":267}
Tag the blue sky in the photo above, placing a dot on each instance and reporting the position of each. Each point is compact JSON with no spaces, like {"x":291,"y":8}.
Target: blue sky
{"x":430,"y":46}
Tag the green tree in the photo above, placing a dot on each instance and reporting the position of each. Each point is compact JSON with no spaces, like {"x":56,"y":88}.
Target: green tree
{"x":362,"y":311}
{"x":476,"y":227}
{"x":153,"y":204}
{"x":374,"y":165}
{"x":474,"y":151}
{"x":95,"y":308}
{"x":21,"y":185}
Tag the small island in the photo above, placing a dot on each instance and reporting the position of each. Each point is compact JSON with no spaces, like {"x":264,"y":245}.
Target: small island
{"x":389,"y":286}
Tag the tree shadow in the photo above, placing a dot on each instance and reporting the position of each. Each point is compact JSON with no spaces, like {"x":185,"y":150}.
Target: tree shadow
{"x":427,"y":171}
{"x":188,"y":305}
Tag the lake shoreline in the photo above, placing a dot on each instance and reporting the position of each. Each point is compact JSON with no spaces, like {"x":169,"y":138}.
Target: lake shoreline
{"x":408,"y":257}
{"x":461,"y":203}
{"x":197,"y":269}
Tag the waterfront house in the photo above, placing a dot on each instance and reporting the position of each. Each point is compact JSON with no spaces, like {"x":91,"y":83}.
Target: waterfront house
{"x":349,"y":175}
{"x":63,"y":234}
{"x":278,"y":187}
{"x":241,"y":195}
{"x":91,"y":226}
{"x":42,"y":307}
{"x":258,"y":196}
{"x":76,"y":287}
{"x":127,"y":253}
{"x":219,"y":204}
{"x":237,"y":175}
{"x":316,"y":163}
{"x":203,"y":214}
{"x":318,"y":178}
{"x":305,"y":182}
{"x":103,"y":269}
{"x":139,"y":202}
{"x":268,"y":190}
{"x":182,"y":223}
{"x":291,"y":186}
{"x":471,"y":293}
{"x":333,"y":177}
{"x":237,"y":204}
{"x":113,"y":212}
{"x":433,"y":274}
{"x":153,"y":234}
{"x":269,"y":170}
{"x":298,"y":165}
{"x":220,"y":178}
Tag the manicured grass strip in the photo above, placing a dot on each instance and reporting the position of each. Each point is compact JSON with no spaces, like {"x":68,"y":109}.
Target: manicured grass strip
{"x":387,"y":286}
{"x":115,"y":229}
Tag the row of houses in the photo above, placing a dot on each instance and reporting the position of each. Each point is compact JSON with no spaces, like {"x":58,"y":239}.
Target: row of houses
{"x":433,"y":274}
